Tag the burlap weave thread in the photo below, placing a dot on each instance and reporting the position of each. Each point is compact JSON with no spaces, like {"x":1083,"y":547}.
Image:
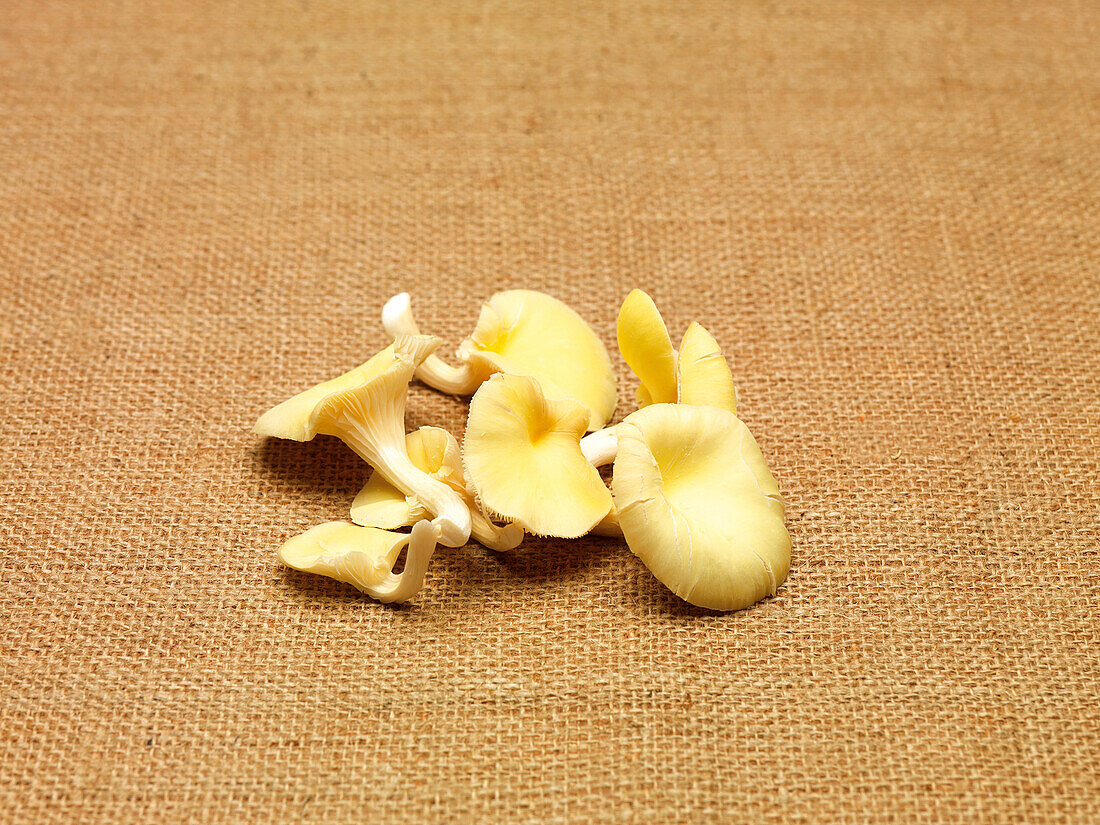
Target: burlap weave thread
{"x":888,"y":215}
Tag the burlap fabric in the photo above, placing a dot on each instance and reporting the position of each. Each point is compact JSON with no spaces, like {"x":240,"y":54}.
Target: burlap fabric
{"x":888,"y":215}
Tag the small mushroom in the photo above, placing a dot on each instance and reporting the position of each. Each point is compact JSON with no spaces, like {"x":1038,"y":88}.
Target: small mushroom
{"x":295,"y":418}
{"x":697,"y":504}
{"x":364,"y":557}
{"x":435,"y":451}
{"x":522,"y":332}
{"x":697,"y":375}
{"x":365,"y":408}
{"x":523,"y":459}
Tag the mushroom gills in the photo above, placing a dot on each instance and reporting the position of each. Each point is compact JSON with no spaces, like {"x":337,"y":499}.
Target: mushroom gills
{"x":364,"y":557}
{"x":365,"y":408}
{"x":434,"y":451}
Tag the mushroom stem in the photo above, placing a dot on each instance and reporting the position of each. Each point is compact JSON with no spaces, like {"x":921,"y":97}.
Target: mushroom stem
{"x":397,"y":319}
{"x":496,"y":538}
{"x":405,"y":585}
{"x":599,"y":448}
{"x":452,"y":516}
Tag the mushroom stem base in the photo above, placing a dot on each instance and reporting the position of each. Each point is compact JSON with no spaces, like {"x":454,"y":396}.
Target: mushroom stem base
{"x":601,"y":447}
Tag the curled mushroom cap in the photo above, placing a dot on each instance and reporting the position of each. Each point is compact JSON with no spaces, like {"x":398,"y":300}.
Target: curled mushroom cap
{"x":523,"y":458}
{"x":364,"y":557}
{"x":647,"y":349}
{"x":697,"y":504}
{"x":435,"y":451}
{"x":295,"y":418}
{"x":365,"y":408}
{"x":522,"y":332}
{"x":698,"y":374}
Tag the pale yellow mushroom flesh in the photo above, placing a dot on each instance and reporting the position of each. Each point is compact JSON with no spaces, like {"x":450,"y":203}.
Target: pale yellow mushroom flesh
{"x":697,"y":374}
{"x":364,"y":557}
{"x":523,"y":458}
{"x":647,"y":349}
{"x":434,"y":451}
{"x":698,"y":505}
{"x":703,"y":376}
{"x":522,"y":332}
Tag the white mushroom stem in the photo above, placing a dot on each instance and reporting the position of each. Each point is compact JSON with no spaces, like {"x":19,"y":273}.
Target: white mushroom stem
{"x":493,"y":536}
{"x":397,"y":319}
{"x":599,"y":448}
{"x":452,"y":516}
{"x":405,"y":585}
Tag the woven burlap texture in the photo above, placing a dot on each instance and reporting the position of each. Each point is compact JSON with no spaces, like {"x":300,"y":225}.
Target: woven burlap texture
{"x":886,"y":213}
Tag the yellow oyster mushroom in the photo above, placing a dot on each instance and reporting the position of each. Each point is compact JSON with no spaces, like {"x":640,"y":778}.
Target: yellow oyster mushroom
{"x":698,"y":374}
{"x":435,"y":451}
{"x":704,"y":377}
{"x":697,"y":504}
{"x":524,"y":461}
{"x":522,"y":332}
{"x":294,"y":419}
{"x":364,"y":557}
{"x":365,"y":408}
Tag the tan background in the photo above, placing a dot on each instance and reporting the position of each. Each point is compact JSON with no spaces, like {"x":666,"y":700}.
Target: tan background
{"x":887,"y":213}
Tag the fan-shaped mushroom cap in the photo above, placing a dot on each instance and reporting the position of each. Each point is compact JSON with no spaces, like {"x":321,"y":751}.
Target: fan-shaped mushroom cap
{"x":698,"y":374}
{"x":366,"y":411}
{"x":523,"y":458}
{"x":363,"y":557}
{"x":434,"y":451}
{"x":704,"y":375}
{"x":522,"y":332}
{"x":697,"y":504}
{"x":294,"y":418}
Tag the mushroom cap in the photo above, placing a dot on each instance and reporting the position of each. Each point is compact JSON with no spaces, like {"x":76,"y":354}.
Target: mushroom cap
{"x":380,"y":504}
{"x":704,"y":376}
{"x":647,"y":349}
{"x":523,"y":332}
{"x":377,"y":401}
{"x":698,"y":506}
{"x":698,"y":374}
{"x":435,"y":451}
{"x":295,"y":419}
{"x":523,"y":459}
{"x":360,"y":556}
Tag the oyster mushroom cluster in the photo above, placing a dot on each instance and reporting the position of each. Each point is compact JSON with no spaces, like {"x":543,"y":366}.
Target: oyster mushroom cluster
{"x":690,"y":491}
